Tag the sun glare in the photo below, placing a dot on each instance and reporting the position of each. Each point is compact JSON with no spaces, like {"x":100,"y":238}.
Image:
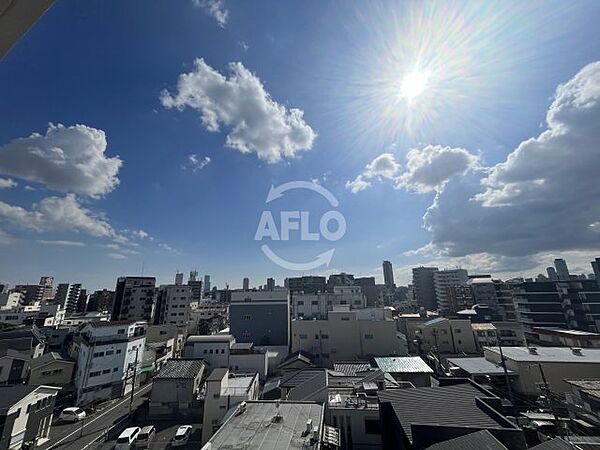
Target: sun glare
{"x":413,"y":84}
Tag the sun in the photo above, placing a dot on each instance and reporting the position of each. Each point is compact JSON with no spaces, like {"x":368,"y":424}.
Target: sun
{"x":414,"y":84}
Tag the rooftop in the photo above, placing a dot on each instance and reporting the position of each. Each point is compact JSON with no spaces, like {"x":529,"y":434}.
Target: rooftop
{"x":239,"y":385}
{"x":351,"y":367}
{"x":210,"y":338}
{"x":48,"y":358}
{"x":181,"y":368}
{"x":113,"y":323}
{"x":483,"y":326}
{"x":478,"y":366}
{"x":473,"y":441}
{"x":591,"y":386}
{"x":403,"y":364}
{"x":218,"y":374}
{"x":255,"y":426}
{"x":549,"y":354}
{"x":567,"y":333}
{"x":457,"y":405}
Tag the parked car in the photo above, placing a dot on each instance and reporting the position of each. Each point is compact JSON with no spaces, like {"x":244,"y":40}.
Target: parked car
{"x":145,"y":437}
{"x":181,"y":436}
{"x":127,"y":438}
{"x":72,"y":414}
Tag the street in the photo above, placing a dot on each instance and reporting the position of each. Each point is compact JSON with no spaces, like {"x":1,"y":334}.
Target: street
{"x":90,"y":433}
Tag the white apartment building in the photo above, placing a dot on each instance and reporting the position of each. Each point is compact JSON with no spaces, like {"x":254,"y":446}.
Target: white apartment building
{"x":316,"y":306}
{"x":443,"y":279}
{"x":109,"y":355}
{"x":173,"y":305}
{"x":344,"y":336}
{"x":221,"y":351}
{"x":214,"y":349}
{"x":224,"y":390}
{"x":447,"y":336}
{"x":11,"y":300}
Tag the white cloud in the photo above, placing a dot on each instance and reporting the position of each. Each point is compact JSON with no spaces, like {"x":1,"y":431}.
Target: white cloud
{"x":431,"y":167}
{"x":256,"y":123}
{"x":7,"y":183}
{"x":167,"y":247}
{"x":214,"y":8}
{"x":62,"y":243}
{"x":56,"y":214}
{"x":117,"y":256}
{"x":141,"y":234}
{"x":66,"y":159}
{"x":543,"y":198}
{"x":383,"y":166}
{"x":195,"y":163}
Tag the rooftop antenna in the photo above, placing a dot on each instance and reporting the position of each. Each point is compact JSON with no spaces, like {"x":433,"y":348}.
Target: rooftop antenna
{"x":142,"y":269}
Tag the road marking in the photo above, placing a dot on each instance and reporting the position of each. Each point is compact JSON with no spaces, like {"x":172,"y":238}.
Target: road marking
{"x":79,"y":430}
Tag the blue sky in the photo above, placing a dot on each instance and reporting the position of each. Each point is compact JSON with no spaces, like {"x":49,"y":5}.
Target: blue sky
{"x":490,"y":74}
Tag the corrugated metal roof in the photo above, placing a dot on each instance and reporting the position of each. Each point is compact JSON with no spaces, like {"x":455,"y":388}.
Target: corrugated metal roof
{"x":480,"y":440}
{"x":181,"y":368}
{"x":351,"y":367}
{"x":403,"y":364}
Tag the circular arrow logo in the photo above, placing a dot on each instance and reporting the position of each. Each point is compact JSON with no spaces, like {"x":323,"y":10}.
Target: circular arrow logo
{"x":332,"y":226}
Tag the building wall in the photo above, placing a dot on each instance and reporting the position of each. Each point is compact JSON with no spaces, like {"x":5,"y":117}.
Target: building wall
{"x":12,"y":370}
{"x":250,"y":363}
{"x":424,"y":287}
{"x":530,"y":376}
{"x":356,"y":427}
{"x":264,"y":320}
{"x":317,"y":305}
{"x":451,"y":336}
{"x":216,"y":354}
{"x":134,"y":299}
{"x":342,"y":337}
{"x":174,"y":395}
{"x":56,"y":373}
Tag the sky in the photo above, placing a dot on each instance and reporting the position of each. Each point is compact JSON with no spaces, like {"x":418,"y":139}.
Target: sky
{"x":144,"y":137}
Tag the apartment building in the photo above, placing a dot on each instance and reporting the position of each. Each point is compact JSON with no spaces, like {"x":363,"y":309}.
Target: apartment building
{"x":260,"y":317}
{"x":447,"y":336}
{"x":444,"y":279}
{"x":110,"y":353}
{"x":134,"y":299}
{"x":316,"y":306}
{"x":345,"y":336}
{"x":173,"y":305}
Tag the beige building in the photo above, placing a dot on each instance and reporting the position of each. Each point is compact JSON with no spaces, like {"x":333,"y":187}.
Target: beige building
{"x":345,"y":336}
{"x":557,"y":364}
{"x":447,"y":336}
{"x":409,"y":324}
{"x":51,"y":369}
{"x":176,"y":386}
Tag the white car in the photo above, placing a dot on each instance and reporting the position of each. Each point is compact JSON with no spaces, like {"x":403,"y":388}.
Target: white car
{"x":72,"y":414}
{"x":126,"y":439}
{"x":181,"y":436}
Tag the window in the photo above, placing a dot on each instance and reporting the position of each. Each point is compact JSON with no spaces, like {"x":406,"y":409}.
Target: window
{"x":118,"y":351}
{"x":316,"y":336}
{"x":205,"y":351}
{"x":121,"y":331}
{"x":345,"y":318}
{"x":324,"y":336}
{"x":94,"y":374}
{"x":315,"y":302}
{"x":246,"y":317}
{"x":368,"y":336}
{"x":303,"y":336}
{"x":109,"y":352}
{"x":222,"y":351}
{"x":300,"y":302}
{"x":458,"y":330}
{"x":116,"y":369}
{"x":210,"y":351}
{"x":98,"y":354}
{"x":105,"y":371}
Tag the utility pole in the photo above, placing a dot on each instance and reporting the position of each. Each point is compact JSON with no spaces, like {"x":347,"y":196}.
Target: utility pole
{"x":550,"y":404}
{"x":506,"y":377}
{"x":133,"y":379}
